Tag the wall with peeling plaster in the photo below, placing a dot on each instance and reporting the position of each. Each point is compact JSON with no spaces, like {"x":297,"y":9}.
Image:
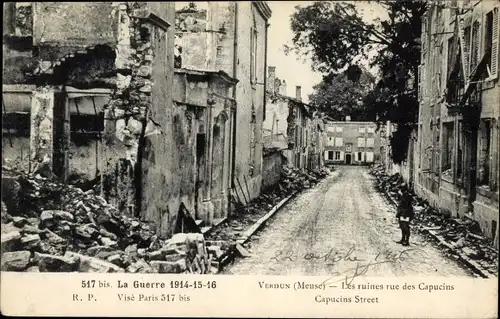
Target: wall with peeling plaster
{"x":248,"y":95}
{"x":440,"y":177}
{"x":61,"y":23}
{"x":277,"y":112}
{"x":204,"y":164}
{"x":165,"y":158}
{"x":17,"y":45}
{"x":205,"y":38}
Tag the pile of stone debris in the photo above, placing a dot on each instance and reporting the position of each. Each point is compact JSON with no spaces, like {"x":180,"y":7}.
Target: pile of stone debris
{"x":294,"y":179}
{"x":463,"y":235}
{"x":47,"y":226}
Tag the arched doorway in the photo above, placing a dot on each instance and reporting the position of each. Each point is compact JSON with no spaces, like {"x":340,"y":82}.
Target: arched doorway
{"x":219,"y":165}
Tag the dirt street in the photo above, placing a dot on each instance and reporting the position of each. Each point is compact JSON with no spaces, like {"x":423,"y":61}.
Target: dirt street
{"x":338,"y":225}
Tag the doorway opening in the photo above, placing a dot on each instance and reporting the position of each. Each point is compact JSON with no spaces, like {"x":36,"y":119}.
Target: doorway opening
{"x":348,"y":159}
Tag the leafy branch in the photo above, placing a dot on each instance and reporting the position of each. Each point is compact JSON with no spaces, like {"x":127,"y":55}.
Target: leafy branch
{"x":334,"y":35}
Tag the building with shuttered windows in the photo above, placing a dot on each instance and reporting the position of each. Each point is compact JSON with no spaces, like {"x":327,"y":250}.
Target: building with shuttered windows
{"x":458,"y":130}
{"x":351,"y":143}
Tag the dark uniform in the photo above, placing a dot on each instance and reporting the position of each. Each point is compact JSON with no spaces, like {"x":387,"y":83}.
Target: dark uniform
{"x":405,"y":215}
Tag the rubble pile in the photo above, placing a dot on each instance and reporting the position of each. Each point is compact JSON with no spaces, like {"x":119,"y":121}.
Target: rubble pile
{"x":48,"y":226}
{"x":293,"y":179}
{"x":462,"y":235}
{"x":52,"y":227}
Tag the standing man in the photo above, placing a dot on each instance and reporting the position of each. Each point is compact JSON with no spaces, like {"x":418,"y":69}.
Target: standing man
{"x":405,"y":215}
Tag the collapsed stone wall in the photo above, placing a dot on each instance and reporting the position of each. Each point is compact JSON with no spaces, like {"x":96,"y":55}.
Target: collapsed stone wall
{"x":136,"y":108}
{"x":126,"y":113}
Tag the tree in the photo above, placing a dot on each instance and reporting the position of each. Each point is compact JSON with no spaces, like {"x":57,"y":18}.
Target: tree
{"x":339,"y":95}
{"x":334,"y":36}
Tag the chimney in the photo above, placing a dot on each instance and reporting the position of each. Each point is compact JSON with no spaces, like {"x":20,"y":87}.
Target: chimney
{"x":298,"y":92}
{"x":283,"y":88}
{"x":347,"y":118}
{"x":271,"y":79}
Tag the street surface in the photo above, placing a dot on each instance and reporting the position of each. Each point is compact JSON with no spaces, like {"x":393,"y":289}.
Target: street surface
{"x":339,"y":224}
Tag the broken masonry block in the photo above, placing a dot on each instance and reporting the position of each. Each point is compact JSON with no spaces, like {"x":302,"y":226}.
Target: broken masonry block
{"x":131,"y":249}
{"x":47,"y":219}
{"x":94,"y":250}
{"x":134,"y":126}
{"x":91,"y":264}
{"x":108,"y":242}
{"x":175,"y":257}
{"x":115,"y":259}
{"x":30,"y":242}
{"x":61,"y":215}
{"x":165,"y":267}
{"x":156,"y":255}
{"x":33,"y":269}
{"x":145,"y":71}
{"x":10,"y":241}
{"x":105,"y":254}
{"x":29,"y":229}
{"x":51,"y":263}
{"x":242,"y":251}
{"x":19,"y":221}
{"x":146,"y":89}
{"x":15,"y":261}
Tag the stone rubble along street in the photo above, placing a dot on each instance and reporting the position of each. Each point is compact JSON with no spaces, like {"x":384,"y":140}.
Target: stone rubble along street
{"x":460,"y":235}
{"x":342,"y":217}
{"x":52,"y":227}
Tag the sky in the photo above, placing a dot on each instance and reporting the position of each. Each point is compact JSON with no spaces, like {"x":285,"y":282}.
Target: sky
{"x":290,"y":68}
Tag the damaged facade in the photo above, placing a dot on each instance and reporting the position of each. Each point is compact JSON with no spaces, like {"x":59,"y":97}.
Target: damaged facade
{"x":457,"y":161}
{"x":229,"y":38}
{"x":94,"y":95}
{"x":158,"y":111}
{"x":292,"y":119}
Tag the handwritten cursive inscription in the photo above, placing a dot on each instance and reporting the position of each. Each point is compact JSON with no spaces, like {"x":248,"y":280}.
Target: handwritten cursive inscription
{"x":330,"y":258}
{"x":386,"y":256}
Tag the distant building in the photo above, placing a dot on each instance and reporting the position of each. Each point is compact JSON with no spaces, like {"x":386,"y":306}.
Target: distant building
{"x":351,"y":143}
{"x":292,"y":118}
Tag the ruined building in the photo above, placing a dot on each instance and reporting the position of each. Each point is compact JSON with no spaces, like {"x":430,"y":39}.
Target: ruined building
{"x":91,"y":102}
{"x":220,"y":50}
{"x":291,"y":118}
{"x":158,"y":111}
{"x":458,"y":134}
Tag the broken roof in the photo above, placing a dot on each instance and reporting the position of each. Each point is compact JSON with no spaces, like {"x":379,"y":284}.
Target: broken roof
{"x":306,"y":107}
{"x":205,"y":72}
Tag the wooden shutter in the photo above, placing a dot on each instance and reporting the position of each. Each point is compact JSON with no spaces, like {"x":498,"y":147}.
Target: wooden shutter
{"x":494,"y":46}
{"x":467,"y":46}
{"x":474,"y":46}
